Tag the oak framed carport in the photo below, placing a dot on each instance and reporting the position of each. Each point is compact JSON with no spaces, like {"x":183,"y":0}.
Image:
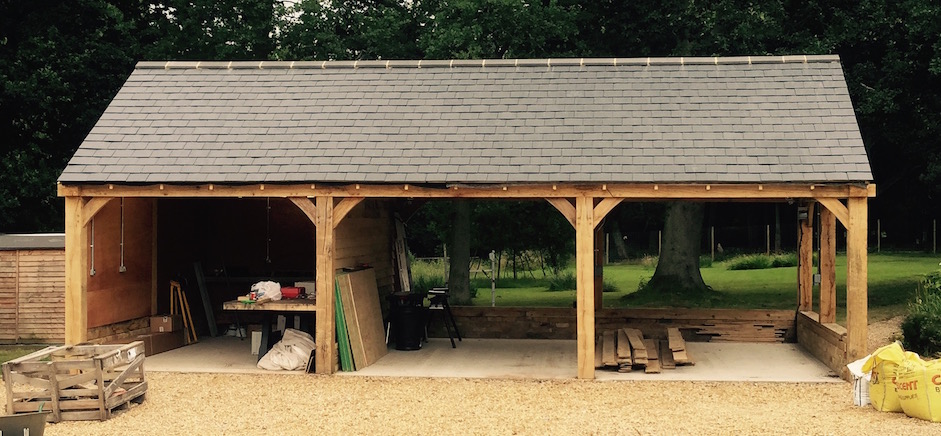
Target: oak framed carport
{"x":594,"y":150}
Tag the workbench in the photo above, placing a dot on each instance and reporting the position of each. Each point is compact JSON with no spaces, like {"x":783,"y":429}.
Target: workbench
{"x":305,"y":308}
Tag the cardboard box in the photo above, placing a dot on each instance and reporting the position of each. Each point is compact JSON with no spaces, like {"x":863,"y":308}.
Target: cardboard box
{"x":166,"y":323}
{"x":155,"y":343}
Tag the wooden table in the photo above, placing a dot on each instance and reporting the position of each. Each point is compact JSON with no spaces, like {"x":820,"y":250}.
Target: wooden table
{"x":304,"y":308}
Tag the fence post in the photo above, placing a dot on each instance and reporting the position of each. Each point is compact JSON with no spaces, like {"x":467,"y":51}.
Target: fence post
{"x":934,"y":235}
{"x":712,"y":241}
{"x":767,"y":239}
{"x":878,"y":235}
{"x":607,"y":248}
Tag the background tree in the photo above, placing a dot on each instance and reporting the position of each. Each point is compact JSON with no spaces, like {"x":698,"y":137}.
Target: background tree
{"x":358,"y":29}
{"x":208,"y":29}
{"x":62,"y":62}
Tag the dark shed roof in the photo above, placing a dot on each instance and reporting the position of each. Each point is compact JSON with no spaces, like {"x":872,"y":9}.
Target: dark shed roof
{"x":758,"y":119}
{"x":32,"y":241}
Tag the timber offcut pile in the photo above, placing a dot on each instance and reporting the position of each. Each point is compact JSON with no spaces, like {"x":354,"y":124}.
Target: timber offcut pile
{"x":626,"y":349}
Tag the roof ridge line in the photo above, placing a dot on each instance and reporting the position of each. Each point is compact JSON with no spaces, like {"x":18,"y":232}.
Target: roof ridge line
{"x":488,"y":63}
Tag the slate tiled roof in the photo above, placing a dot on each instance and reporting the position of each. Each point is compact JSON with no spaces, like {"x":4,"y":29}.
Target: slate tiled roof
{"x":762,"y":119}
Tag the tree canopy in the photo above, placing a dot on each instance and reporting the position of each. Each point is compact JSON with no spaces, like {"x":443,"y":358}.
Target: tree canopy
{"x":64,"y":61}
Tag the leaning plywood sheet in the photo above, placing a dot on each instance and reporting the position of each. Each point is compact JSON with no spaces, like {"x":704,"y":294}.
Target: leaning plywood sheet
{"x":360,"y":299}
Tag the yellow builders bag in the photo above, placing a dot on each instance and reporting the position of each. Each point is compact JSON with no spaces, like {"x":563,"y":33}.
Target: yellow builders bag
{"x":919,"y":388}
{"x":881,"y":366}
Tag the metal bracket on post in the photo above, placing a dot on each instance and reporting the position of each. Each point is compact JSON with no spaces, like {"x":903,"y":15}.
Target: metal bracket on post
{"x":91,"y":246}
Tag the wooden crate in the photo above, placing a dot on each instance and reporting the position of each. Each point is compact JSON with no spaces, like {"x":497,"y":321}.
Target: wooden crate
{"x":76,"y":383}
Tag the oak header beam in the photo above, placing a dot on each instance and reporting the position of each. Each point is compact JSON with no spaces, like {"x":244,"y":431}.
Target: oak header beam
{"x":638,"y":191}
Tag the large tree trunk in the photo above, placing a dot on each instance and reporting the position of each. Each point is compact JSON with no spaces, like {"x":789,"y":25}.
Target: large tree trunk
{"x":678,"y":267}
{"x":459,"y":277}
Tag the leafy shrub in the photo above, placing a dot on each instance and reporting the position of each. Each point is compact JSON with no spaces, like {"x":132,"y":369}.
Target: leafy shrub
{"x":921,"y":329}
{"x":562,"y":282}
{"x":649,"y":261}
{"x":749,"y":261}
{"x":609,"y":287}
{"x":783,"y":260}
{"x":422,"y":283}
{"x":427,"y":274}
{"x":761,"y":261}
{"x":705,"y":261}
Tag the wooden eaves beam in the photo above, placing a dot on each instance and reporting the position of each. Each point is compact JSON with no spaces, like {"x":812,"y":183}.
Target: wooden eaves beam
{"x":638,"y":191}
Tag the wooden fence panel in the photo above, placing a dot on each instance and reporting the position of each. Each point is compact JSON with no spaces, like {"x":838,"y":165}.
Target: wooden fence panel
{"x":8,"y":296}
{"x":32,"y":296}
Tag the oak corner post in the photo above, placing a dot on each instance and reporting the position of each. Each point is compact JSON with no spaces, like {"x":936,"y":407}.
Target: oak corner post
{"x":325,"y":354}
{"x":585,"y":293}
{"x":76,"y":272}
{"x":857,"y":310}
{"x":827,"y":266}
{"x":805,"y":260}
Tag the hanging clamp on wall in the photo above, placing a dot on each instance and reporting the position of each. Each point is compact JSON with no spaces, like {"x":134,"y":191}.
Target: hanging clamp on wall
{"x":803,"y":212}
{"x":91,"y":247}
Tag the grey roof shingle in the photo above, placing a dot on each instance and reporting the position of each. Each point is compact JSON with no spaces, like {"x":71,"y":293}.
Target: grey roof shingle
{"x":692,"y":120}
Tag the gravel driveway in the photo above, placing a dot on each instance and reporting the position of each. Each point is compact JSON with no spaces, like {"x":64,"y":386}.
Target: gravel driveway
{"x":188,"y":404}
{"x":290,"y":404}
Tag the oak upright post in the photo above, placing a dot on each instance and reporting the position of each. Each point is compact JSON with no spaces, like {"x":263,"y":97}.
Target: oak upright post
{"x":585,"y":289}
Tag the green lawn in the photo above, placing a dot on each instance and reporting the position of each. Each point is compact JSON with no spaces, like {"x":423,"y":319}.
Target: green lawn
{"x":892,"y":280}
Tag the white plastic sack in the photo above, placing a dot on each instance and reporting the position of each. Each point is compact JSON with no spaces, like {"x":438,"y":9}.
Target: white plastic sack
{"x":270,"y":290}
{"x":290,"y":353}
{"x":860,"y":382}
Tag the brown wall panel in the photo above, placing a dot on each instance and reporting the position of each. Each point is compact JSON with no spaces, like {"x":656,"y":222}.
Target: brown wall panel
{"x":113,"y":295}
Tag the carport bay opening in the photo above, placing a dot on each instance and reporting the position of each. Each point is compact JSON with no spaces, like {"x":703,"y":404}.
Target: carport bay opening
{"x":233,"y":232}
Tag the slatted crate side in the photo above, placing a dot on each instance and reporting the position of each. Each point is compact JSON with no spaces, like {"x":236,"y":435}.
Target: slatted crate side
{"x":77,"y":382}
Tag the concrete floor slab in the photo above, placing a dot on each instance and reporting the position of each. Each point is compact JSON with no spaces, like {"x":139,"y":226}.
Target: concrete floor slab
{"x":521,"y":358}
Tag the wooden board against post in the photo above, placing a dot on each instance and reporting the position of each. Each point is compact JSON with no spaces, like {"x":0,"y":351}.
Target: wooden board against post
{"x":359,"y":296}
{"x":805,"y":260}
{"x":207,"y":302}
{"x":857,"y":317}
{"x":76,"y":272}
{"x":326,"y":281}
{"x":827,"y":266}
{"x":585,"y":293}
{"x":154,"y":286}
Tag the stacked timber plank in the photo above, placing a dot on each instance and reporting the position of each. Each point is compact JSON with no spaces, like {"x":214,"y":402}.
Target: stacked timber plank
{"x":626,"y":349}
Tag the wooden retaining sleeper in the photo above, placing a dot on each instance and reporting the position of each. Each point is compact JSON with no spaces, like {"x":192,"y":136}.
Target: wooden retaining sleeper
{"x":82,"y":382}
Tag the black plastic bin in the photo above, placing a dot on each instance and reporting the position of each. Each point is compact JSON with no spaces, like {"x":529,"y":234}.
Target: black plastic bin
{"x":407,"y":320}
